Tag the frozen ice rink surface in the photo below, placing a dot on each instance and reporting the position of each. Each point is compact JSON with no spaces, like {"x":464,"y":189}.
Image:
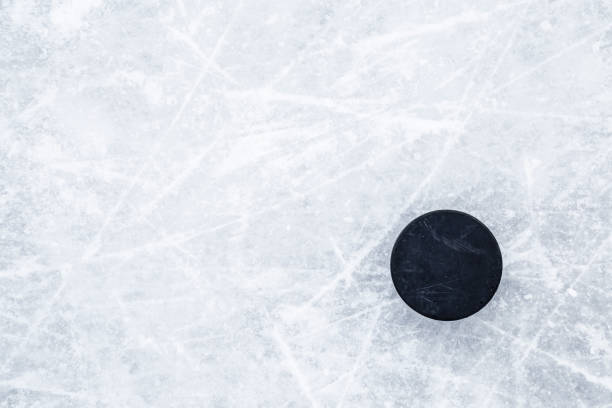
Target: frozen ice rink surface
{"x":198,"y":201}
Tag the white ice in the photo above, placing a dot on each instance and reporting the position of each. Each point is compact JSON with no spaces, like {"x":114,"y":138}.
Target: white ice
{"x":198,"y":200}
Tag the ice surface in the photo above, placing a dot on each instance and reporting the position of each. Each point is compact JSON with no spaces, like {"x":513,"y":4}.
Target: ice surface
{"x":198,"y":200}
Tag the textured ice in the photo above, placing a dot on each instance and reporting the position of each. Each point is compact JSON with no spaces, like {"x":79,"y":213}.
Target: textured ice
{"x":198,"y":200}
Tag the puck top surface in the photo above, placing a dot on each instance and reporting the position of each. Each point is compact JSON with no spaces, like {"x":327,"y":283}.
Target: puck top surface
{"x":446,"y":265}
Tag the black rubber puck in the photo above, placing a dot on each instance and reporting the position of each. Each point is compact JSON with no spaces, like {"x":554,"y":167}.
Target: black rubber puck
{"x":446,"y":265}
